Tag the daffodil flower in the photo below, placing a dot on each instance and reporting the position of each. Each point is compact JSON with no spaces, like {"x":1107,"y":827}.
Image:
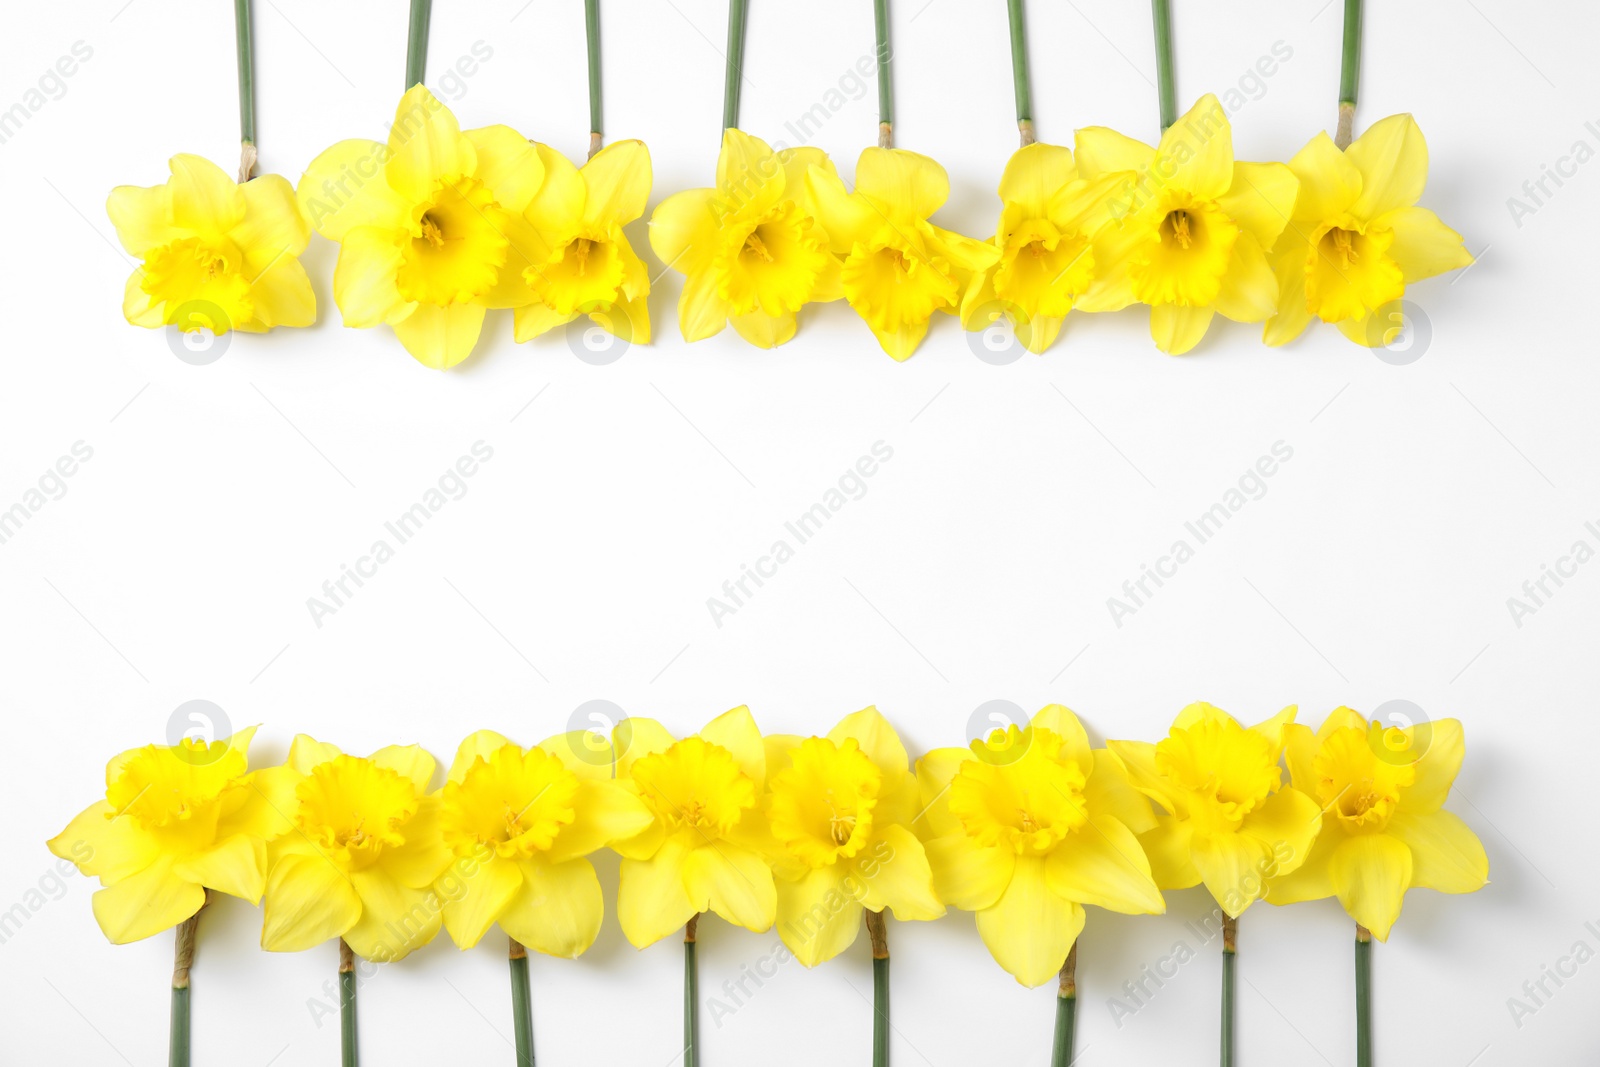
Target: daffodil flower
{"x":898,"y":267}
{"x":1225,"y":819}
{"x":1192,"y":227}
{"x":1384,"y":828}
{"x":422,"y":224}
{"x":1025,"y":828}
{"x":519,"y":824}
{"x":215,"y":253}
{"x":840,"y":808}
{"x":358,"y":852}
{"x":175,"y":822}
{"x":705,"y":846}
{"x":569,"y":256}
{"x":1050,"y":222}
{"x":751,"y":250}
{"x":1356,"y":238}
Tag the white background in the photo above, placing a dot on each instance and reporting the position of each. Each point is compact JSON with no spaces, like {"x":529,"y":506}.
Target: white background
{"x":977,"y":566}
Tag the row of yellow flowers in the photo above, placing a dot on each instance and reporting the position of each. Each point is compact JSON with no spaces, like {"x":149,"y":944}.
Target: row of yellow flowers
{"x":1024,"y":828}
{"x":439,"y":226}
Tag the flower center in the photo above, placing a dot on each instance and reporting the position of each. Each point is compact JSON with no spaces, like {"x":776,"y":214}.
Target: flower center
{"x":192,"y":270}
{"x":893,"y":283}
{"x":584,"y":274}
{"x":1175,"y":229}
{"x":1226,"y":770}
{"x":167,"y":787}
{"x":822,"y":803}
{"x":455,"y":246}
{"x":513,"y":802}
{"x":695,"y":784}
{"x":1042,"y":270}
{"x":1354,"y":783}
{"x":352,"y":808}
{"x":769,"y":263}
{"x":1187,"y":255}
{"x":1349,"y":272}
{"x":1029,"y":804}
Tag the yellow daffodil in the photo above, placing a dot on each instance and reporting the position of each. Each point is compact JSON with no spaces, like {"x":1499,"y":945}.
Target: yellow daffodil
{"x":214,"y":253}
{"x":751,"y":250}
{"x":898,"y":267}
{"x":358,"y":852}
{"x":175,"y":822}
{"x":1025,"y":828}
{"x":1191,"y":226}
{"x":422,"y":224}
{"x":840,"y":809}
{"x":1049,"y":223}
{"x":1384,"y":828}
{"x":518,"y":823}
{"x":705,"y":846}
{"x":569,"y":255}
{"x":1357,"y":238}
{"x":1226,"y":821}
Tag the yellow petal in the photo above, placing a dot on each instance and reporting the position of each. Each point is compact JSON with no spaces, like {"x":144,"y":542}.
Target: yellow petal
{"x":475,"y":746}
{"x":896,"y":875}
{"x":1115,"y":246}
{"x":733,"y":882}
{"x":618,"y":184}
{"x":1138,"y":758}
{"x":475,"y":897}
{"x":558,"y":910}
{"x":1286,"y":824}
{"x":1167,"y":847}
{"x":1109,"y":791}
{"x":138,"y":306}
{"x":395,"y":920}
{"x":1033,"y":176}
{"x":1370,"y":875}
{"x":899,"y":180}
{"x":268,"y":806}
{"x":508,"y":164}
{"x":1075,"y":739}
{"x":146,"y":903}
{"x":603,"y":812}
{"x":1103,"y":864}
{"x":556,"y":210}
{"x":967,"y":875}
{"x":1176,"y":329}
{"x":1234,"y":867}
{"x":701,"y":312}
{"x":636,"y":737}
{"x":205,"y":200}
{"x":651,"y":899}
{"x":1272,"y":728}
{"x":763,"y":330}
{"x":408,"y":761}
{"x":273,"y":225}
{"x":1310,"y":880}
{"x":344,"y":187}
{"x":1103,"y":151}
{"x":736,"y":731}
{"x":1299,"y":753}
{"x":901,"y":340}
{"x":306,"y":752}
{"x":1196,"y":152}
{"x":1423,"y":245}
{"x":535,"y":320}
{"x":1329,"y":181}
{"x":750,"y":178}
{"x":797,"y":163}
{"x":1436,"y":768}
{"x":683,"y":230}
{"x":934,"y":772}
{"x":1293,"y":314}
{"x":1392,"y":157}
{"x":282,"y":295}
{"x":142,"y":217}
{"x":103,"y":847}
{"x":364,"y":283}
{"x":440,"y":337}
{"x":236,"y":866}
{"x":1445,"y":854}
{"x":817,"y":916}
{"x":848,"y":220}
{"x":1030,"y":930}
{"x":1261,"y":199}
{"x":876,"y":736}
{"x":308,"y":901}
{"x":422,"y":856}
{"x":425,"y":145}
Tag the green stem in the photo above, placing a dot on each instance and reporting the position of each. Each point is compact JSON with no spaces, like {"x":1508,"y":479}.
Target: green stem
{"x":1166,"y":87}
{"x":417,"y":42}
{"x":591,"y":26}
{"x":1349,"y":72}
{"x":521,"y":1004}
{"x":691,"y":992}
{"x":878,"y":933}
{"x":182,"y":960}
{"x":348,"y":1056}
{"x":1019,"y":70}
{"x":880,"y":18}
{"x":1066,"y":1011}
{"x":247,"y":88}
{"x":1230,"y":955}
{"x":1363,"y":997}
{"x":735,"y":73}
